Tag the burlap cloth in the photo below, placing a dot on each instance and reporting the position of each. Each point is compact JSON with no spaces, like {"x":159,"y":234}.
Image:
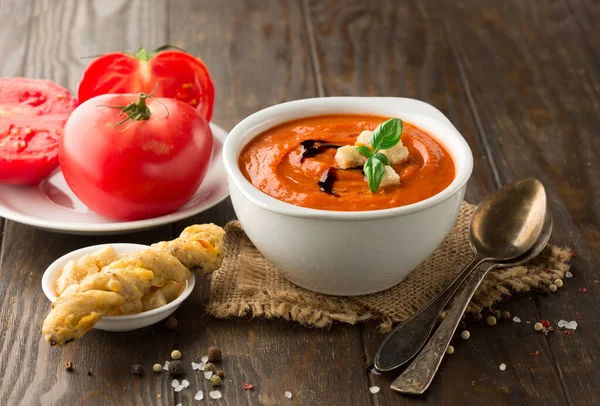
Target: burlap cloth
{"x":249,"y":285}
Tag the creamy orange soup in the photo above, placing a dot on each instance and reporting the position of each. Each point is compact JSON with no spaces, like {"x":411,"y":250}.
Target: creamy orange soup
{"x":274,"y":163}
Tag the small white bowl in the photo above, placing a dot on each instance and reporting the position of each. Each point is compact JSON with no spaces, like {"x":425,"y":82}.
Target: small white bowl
{"x":353,"y":252}
{"x":116,"y":323}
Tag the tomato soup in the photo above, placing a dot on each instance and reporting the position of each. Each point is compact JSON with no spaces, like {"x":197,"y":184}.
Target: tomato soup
{"x":275,"y":162}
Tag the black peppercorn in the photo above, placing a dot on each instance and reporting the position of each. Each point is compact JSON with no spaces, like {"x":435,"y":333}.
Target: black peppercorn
{"x":172,"y":323}
{"x":137,"y":369}
{"x":176,"y":367}
{"x":214,"y":354}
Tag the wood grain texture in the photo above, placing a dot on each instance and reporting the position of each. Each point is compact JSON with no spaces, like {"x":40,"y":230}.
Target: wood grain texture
{"x":518,"y":79}
{"x":539,"y":111}
{"x":55,"y":35}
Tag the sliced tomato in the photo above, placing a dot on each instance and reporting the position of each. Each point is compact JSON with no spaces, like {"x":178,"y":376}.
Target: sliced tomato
{"x":175,"y":74}
{"x":33,"y":113}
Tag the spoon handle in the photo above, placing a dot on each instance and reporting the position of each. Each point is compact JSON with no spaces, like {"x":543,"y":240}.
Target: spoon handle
{"x":418,"y":376}
{"x":408,"y":337}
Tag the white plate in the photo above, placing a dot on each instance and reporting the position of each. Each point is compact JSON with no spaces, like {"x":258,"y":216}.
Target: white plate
{"x":51,"y":205}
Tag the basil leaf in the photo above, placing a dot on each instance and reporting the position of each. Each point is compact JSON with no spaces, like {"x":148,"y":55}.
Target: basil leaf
{"x":365,"y":151}
{"x":374,"y":171}
{"x":387,"y":134}
{"x":384,"y":159}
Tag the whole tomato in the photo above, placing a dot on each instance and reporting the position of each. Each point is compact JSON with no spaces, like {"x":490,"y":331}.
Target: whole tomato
{"x":130,"y":156}
{"x":179,"y":75}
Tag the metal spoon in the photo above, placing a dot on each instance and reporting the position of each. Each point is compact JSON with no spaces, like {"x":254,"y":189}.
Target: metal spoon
{"x":405,"y":341}
{"x":418,"y":376}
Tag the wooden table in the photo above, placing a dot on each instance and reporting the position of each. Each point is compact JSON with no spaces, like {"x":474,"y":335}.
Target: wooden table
{"x":519,"y":79}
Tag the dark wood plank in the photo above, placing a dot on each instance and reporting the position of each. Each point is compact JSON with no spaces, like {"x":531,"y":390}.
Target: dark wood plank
{"x":52,"y":38}
{"x":539,"y":114}
{"x":258,"y":54}
{"x":386,"y":48}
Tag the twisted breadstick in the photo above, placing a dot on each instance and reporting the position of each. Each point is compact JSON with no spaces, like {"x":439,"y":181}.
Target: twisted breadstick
{"x":139,"y":281}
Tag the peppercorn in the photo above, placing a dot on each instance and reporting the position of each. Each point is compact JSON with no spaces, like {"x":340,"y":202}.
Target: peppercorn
{"x":214,"y":354}
{"x":220,"y":373}
{"x":176,"y":367}
{"x":553,"y":288}
{"x":137,"y":369}
{"x":497,"y":314}
{"x":450,"y":350}
{"x":172,"y":323}
{"x":538,"y":326}
{"x":175,"y":354}
{"x":442,"y":315}
{"x":477,"y":316}
{"x":462,"y":324}
{"x":491,"y":321}
{"x":157,"y":368}
{"x":506,"y":315}
{"x":465,"y":335}
{"x":209,"y":367}
{"x":558,"y":283}
{"x":215,"y":380}
{"x":68,"y":365}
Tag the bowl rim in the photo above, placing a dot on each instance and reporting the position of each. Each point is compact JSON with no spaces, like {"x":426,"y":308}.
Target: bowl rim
{"x":52,"y":271}
{"x":293,"y":110}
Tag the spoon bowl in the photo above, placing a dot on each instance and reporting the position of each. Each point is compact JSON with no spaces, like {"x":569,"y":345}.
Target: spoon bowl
{"x":508,"y":223}
{"x":505,"y":228}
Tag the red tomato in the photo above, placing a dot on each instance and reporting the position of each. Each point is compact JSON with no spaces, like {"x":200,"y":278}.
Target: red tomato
{"x":32,"y":115}
{"x":175,"y":74}
{"x":141,"y":168}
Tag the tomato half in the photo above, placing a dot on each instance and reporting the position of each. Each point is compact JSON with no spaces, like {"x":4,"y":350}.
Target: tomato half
{"x":175,"y":74}
{"x":32,"y":115}
{"x":139,"y":169}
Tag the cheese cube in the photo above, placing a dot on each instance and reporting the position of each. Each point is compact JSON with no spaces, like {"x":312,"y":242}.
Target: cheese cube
{"x":391,"y":178}
{"x":348,"y":157}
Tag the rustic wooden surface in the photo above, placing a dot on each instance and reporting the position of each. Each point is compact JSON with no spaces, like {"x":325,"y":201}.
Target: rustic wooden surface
{"x":519,"y":79}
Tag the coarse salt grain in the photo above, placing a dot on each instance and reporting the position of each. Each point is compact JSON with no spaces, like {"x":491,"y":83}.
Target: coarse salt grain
{"x":570,"y":325}
{"x":179,"y":404}
{"x":205,"y":359}
{"x":185,"y":383}
{"x":516,"y":319}
{"x":502,"y":367}
{"x":374,"y":389}
{"x":375,"y":372}
{"x":568,"y":274}
{"x":179,"y":388}
{"x":199,"y":395}
{"x":215,"y":394}
{"x":166,"y":366}
{"x":175,"y":383}
{"x":208,"y":374}
{"x":288,"y":394}
{"x":195,"y":366}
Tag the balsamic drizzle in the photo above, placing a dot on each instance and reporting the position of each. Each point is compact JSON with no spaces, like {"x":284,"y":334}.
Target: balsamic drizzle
{"x":311,"y":148}
{"x":326,"y":181}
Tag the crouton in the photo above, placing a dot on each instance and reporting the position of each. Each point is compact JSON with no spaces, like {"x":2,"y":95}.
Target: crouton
{"x":364,"y":138}
{"x":348,"y":157}
{"x":396,"y":154}
{"x":391,"y":178}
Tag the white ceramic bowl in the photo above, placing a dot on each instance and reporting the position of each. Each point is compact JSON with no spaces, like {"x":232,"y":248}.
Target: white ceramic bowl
{"x":115,"y":323}
{"x":347,"y":253}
